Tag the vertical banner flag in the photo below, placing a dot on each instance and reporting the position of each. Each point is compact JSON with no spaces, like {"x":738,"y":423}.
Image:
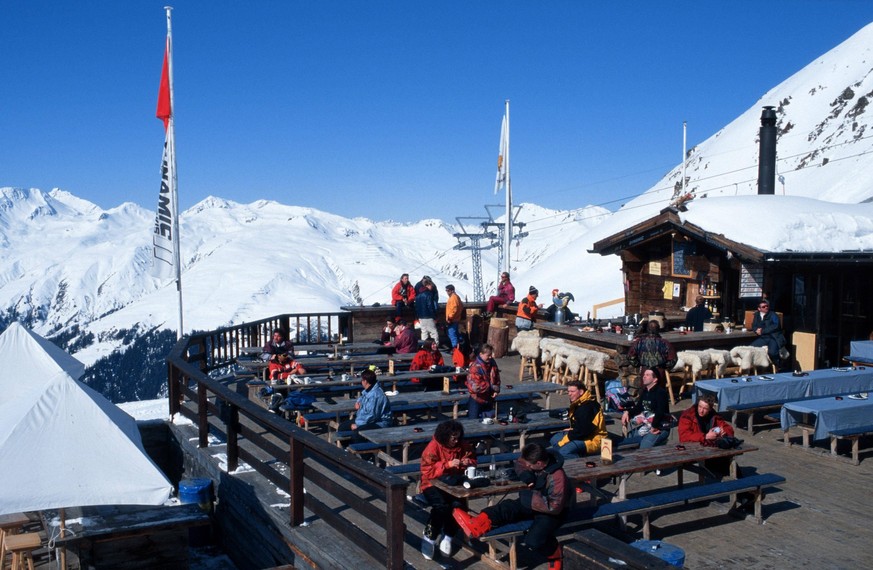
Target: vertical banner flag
{"x":164,"y":249}
{"x":501,"y":156}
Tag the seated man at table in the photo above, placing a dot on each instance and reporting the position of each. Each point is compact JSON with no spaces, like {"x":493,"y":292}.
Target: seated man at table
{"x":766,"y":325}
{"x":587,"y":424}
{"x":546,"y":501}
{"x":483,"y":382}
{"x":445,"y":457}
{"x":372,"y":409}
{"x":428,"y":355}
{"x":404,"y":338}
{"x":649,"y":420}
{"x":279,"y":352}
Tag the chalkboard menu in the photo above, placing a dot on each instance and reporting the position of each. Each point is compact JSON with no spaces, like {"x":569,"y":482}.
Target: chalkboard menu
{"x":682,"y":250}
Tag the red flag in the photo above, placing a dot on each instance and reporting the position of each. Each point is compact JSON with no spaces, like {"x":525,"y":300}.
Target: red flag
{"x":164,"y":110}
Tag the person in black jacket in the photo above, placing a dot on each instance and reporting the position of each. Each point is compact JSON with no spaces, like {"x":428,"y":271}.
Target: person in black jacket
{"x":766,"y":325}
{"x":649,"y":421}
{"x":587,"y":424}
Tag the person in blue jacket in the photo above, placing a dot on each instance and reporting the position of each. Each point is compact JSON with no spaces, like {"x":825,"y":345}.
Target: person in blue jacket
{"x":372,"y":410}
{"x":766,"y":325}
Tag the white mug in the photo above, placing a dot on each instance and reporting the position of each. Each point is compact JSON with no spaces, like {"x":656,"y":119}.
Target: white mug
{"x":471,"y":472}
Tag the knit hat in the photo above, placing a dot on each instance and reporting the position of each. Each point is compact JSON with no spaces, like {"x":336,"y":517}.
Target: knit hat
{"x":533,"y":290}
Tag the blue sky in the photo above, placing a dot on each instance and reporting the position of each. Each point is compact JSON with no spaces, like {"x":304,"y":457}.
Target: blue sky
{"x":388,"y":109}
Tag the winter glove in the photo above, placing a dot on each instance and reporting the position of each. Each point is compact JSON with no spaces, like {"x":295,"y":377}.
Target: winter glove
{"x":527,"y":477}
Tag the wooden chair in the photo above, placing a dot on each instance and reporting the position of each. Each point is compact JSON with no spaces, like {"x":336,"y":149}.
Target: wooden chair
{"x":21,"y":546}
{"x":10,"y":524}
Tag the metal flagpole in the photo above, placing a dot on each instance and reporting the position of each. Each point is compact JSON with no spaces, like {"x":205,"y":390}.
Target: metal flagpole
{"x":507,"y":228}
{"x":171,"y":143}
{"x":684,"y":152}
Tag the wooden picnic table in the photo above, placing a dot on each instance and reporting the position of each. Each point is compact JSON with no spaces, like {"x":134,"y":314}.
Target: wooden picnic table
{"x":339,"y":365}
{"x":624,"y":465}
{"x":333,"y":347}
{"x":406,"y":436}
{"x":438,"y":398}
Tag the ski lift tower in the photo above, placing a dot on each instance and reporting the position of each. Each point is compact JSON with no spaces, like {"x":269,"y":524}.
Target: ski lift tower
{"x":500,"y":230}
{"x":472,"y":241}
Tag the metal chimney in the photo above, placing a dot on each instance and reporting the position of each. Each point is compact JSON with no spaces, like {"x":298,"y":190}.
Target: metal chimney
{"x":767,"y":158}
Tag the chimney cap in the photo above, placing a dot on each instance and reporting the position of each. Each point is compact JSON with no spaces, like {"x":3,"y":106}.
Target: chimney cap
{"x":768,"y":116}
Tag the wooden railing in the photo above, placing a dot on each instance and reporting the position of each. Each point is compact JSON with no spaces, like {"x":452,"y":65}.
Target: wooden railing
{"x":251,"y":431}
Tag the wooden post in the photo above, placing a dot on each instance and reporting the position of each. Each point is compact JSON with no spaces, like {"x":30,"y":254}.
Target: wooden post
{"x":232,"y":439}
{"x":295,"y":476}
{"x":498,"y":337}
{"x":202,"y":416}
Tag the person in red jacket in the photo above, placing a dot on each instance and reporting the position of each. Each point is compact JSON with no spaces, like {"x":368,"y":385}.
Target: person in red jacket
{"x":447,"y":455}
{"x":404,"y":338}
{"x":483,"y":382}
{"x":505,"y":294}
{"x":402,"y":296}
{"x":701,"y":424}
{"x":428,"y":355}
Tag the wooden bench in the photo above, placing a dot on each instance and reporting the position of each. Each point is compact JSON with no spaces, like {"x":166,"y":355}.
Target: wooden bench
{"x":750,"y":410}
{"x":504,"y":538}
{"x":853,"y":435}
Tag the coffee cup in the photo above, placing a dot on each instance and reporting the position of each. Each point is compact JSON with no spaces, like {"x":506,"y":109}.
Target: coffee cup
{"x":471,"y":473}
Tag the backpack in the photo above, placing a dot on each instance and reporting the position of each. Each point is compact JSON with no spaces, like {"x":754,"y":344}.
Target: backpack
{"x":617,"y":399}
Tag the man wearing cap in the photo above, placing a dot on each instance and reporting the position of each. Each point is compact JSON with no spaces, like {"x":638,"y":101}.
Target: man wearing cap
{"x":454,"y":308}
{"x":527,"y":310}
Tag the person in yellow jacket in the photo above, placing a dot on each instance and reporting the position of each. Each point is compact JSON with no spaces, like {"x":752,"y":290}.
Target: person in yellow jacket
{"x":587,"y":424}
{"x":454,"y":309}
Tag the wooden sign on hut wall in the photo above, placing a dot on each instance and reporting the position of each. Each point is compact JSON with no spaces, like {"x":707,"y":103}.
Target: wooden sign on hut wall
{"x":682,"y":251}
{"x":751,"y":280}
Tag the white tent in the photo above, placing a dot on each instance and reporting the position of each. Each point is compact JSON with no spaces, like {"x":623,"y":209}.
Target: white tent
{"x":61,"y":443}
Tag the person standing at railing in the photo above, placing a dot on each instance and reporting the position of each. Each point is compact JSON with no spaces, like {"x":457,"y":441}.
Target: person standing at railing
{"x":454,"y":312}
{"x":426,"y":307}
{"x":445,"y":457}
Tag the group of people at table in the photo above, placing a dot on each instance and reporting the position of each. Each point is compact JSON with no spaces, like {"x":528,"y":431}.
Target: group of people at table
{"x":549,"y":492}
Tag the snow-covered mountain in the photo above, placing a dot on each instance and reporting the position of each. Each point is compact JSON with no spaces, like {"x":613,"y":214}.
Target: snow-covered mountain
{"x":82,"y":275}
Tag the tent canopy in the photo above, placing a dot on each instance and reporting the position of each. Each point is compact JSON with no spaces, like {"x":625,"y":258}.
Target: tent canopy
{"x":61,"y":443}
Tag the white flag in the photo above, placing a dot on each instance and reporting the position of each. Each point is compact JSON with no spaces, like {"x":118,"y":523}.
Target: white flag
{"x":165,"y":243}
{"x":164,"y":266}
{"x":501,"y":156}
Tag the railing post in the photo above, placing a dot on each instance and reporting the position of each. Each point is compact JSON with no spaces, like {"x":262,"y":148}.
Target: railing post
{"x":232,"y":439}
{"x":395,"y":528}
{"x":202,"y":415}
{"x":295,"y":475}
{"x":173,"y":389}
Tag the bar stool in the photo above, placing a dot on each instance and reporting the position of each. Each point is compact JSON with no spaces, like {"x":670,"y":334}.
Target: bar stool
{"x":528,"y":364}
{"x":9,"y":525}
{"x":22,"y":546}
